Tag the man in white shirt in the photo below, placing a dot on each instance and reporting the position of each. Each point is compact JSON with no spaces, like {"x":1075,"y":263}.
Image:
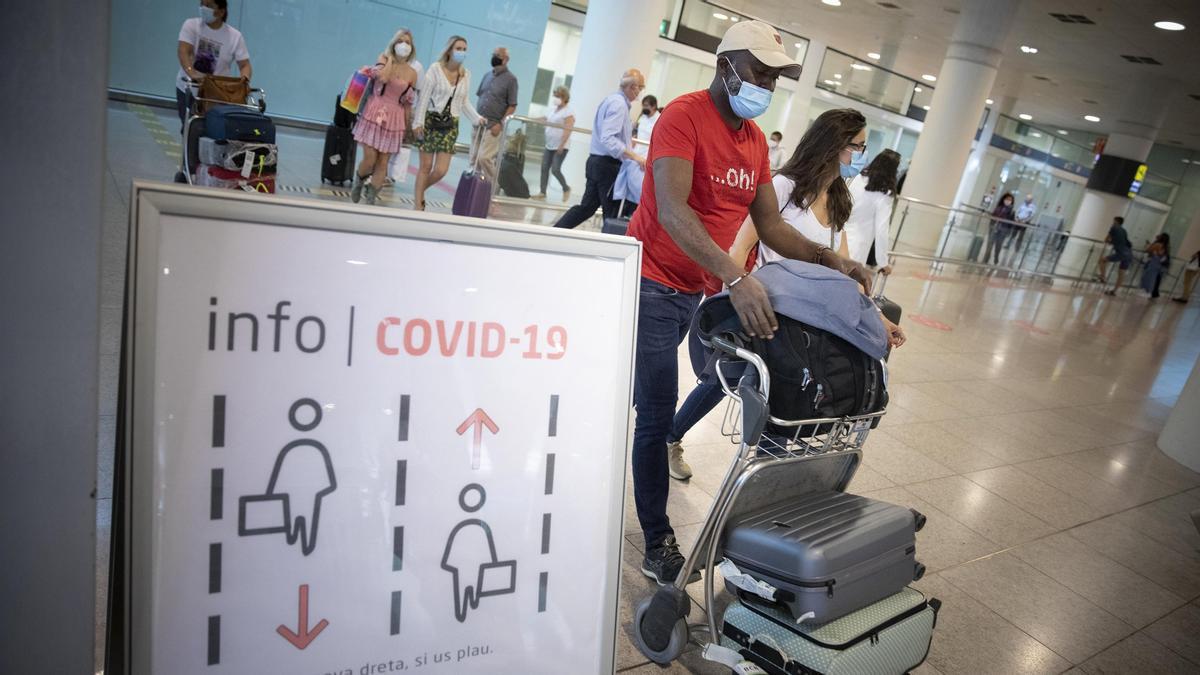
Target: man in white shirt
{"x":1024,"y":214}
{"x":775,"y":151}
{"x":208,"y":46}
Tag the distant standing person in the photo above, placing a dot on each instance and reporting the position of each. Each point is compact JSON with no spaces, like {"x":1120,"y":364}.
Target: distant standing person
{"x":440,"y":102}
{"x":387,"y":113}
{"x":874,"y":194}
{"x":998,"y":230}
{"x":612,"y":140}
{"x":556,"y":141}
{"x":988,"y":198}
{"x":1122,"y":254}
{"x":1024,"y":215}
{"x":775,"y":154}
{"x":1160,"y":257}
{"x":647,"y":120}
{"x":207,"y":46}
{"x":497,"y":99}
{"x":394,"y":166}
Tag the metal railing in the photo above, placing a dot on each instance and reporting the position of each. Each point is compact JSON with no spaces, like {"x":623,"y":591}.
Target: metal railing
{"x":973,"y":238}
{"x":522,"y":161}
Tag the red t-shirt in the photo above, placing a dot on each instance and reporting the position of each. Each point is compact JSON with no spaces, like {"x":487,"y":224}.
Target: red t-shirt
{"x":727,"y":168}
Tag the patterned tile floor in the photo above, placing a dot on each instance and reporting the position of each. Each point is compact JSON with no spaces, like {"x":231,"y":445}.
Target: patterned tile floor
{"x":1022,"y":423}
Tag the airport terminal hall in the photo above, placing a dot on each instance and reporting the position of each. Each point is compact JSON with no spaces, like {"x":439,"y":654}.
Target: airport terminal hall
{"x":583,"y":337}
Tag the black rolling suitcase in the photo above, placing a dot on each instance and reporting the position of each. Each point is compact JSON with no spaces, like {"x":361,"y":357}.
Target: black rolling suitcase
{"x":827,"y":554}
{"x":337,"y":162}
{"x":890,"y":309}
{"x":338,"y":159}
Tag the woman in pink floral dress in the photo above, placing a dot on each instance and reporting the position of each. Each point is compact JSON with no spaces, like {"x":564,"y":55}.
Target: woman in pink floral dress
{"x":386,"y":114}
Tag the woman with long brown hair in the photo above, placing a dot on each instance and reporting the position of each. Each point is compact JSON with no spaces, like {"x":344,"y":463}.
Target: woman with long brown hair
{"x":874,"y":195}
{"x":812,"y":191}
{"x":813,"y":197}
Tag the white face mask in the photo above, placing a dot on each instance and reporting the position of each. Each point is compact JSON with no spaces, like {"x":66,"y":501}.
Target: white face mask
{"x":556,"y":101}
{"x":402,"y":50}
{"x":772,"y":144}
{"x":207,"y":14}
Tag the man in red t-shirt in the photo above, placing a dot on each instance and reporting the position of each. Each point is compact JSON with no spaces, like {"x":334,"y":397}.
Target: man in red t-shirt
{"x":706,"y":170}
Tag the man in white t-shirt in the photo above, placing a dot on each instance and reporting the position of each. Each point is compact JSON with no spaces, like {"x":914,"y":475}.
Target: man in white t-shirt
{"x":208,"y":46}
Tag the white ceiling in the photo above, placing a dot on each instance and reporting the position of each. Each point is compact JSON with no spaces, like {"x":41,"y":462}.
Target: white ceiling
{"x":1082,"y":62}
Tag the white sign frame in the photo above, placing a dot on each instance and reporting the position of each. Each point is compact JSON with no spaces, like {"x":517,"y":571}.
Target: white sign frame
{"x":152,"y":201}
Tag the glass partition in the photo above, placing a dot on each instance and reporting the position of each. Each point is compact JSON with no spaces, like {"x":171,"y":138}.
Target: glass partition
{"x":1042,"y":248}
{"x":1159,"y":188}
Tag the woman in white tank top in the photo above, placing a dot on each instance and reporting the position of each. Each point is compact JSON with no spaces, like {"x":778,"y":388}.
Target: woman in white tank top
{"x":812,"y":191}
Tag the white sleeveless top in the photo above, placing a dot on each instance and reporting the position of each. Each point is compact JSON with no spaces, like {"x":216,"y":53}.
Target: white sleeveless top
{"x":800,"y":218}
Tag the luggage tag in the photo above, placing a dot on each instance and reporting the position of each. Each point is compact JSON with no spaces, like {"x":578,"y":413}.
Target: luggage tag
{"x":730,"y":659}
{"x":744,"y":581}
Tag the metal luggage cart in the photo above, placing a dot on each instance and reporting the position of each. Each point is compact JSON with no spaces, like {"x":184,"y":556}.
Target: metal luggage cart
{"x":193,"y":128}
{"x":792,"y":458}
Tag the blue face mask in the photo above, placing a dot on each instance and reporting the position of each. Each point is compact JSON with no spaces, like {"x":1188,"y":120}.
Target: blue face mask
{"x":858,"y":160}
{"x":207,"y":14}
{"x":459,"y":55}
{"x":751,"y":99}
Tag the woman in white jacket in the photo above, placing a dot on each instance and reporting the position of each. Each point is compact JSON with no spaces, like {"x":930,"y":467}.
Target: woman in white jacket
{"x":874,"y":194}
{"x":442,"y":99}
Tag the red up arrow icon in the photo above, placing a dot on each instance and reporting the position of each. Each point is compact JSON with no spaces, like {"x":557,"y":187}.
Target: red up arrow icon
{"x":478,"y":419}
{"x":303,"y":637}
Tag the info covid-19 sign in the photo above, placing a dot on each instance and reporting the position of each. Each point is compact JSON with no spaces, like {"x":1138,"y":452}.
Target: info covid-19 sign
{"x":363,"y":449}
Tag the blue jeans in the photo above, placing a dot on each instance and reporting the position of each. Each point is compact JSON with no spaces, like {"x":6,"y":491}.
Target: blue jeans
{"x":664,"y":315}
{"x":703,"y":398}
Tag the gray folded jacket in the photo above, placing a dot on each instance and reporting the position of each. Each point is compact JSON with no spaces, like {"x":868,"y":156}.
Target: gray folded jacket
{"x":825,"y":299}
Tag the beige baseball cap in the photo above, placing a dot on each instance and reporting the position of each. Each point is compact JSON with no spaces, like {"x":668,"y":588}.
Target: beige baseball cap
{"x":763,"y":41}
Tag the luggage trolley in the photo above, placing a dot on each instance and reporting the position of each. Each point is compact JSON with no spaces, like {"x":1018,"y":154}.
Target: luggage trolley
{"x":792,"y":458}
{"x":193,"y":128}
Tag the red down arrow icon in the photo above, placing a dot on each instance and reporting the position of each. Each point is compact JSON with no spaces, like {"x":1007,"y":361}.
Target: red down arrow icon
{"x":303,"y":637}
{"x":478,"y":419}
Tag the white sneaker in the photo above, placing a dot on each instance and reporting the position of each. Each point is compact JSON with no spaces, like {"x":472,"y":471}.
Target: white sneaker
{"x":678,"y":468}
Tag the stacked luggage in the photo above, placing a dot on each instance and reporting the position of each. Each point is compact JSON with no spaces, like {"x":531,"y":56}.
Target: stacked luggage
{"x":822,"y":587}
{"x":237,"y":150}
{"x":820,"y":577}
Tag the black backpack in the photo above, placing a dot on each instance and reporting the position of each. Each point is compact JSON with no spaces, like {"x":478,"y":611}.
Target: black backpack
{"x":814,"y":373}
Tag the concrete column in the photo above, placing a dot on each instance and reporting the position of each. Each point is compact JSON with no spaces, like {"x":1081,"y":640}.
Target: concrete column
{"x":1179,"y":434}
{"x":1132,"y":138}
{"x":975,"y":160}
{"x":963,"y":85}
{"x":617,"y":36}
{"x":51,"y":212}
{"x":796,"y":117}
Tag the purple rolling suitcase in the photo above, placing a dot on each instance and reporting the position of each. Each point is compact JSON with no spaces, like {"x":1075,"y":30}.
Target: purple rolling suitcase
{"x":474,"y":193}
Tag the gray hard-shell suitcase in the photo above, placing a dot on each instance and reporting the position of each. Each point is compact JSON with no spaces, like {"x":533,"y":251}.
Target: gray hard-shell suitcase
{"x":889,"y":637}
{"x":827,"y":554}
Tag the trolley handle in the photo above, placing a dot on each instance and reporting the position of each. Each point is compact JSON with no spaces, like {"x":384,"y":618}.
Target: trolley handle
{"x":729,"y":349}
